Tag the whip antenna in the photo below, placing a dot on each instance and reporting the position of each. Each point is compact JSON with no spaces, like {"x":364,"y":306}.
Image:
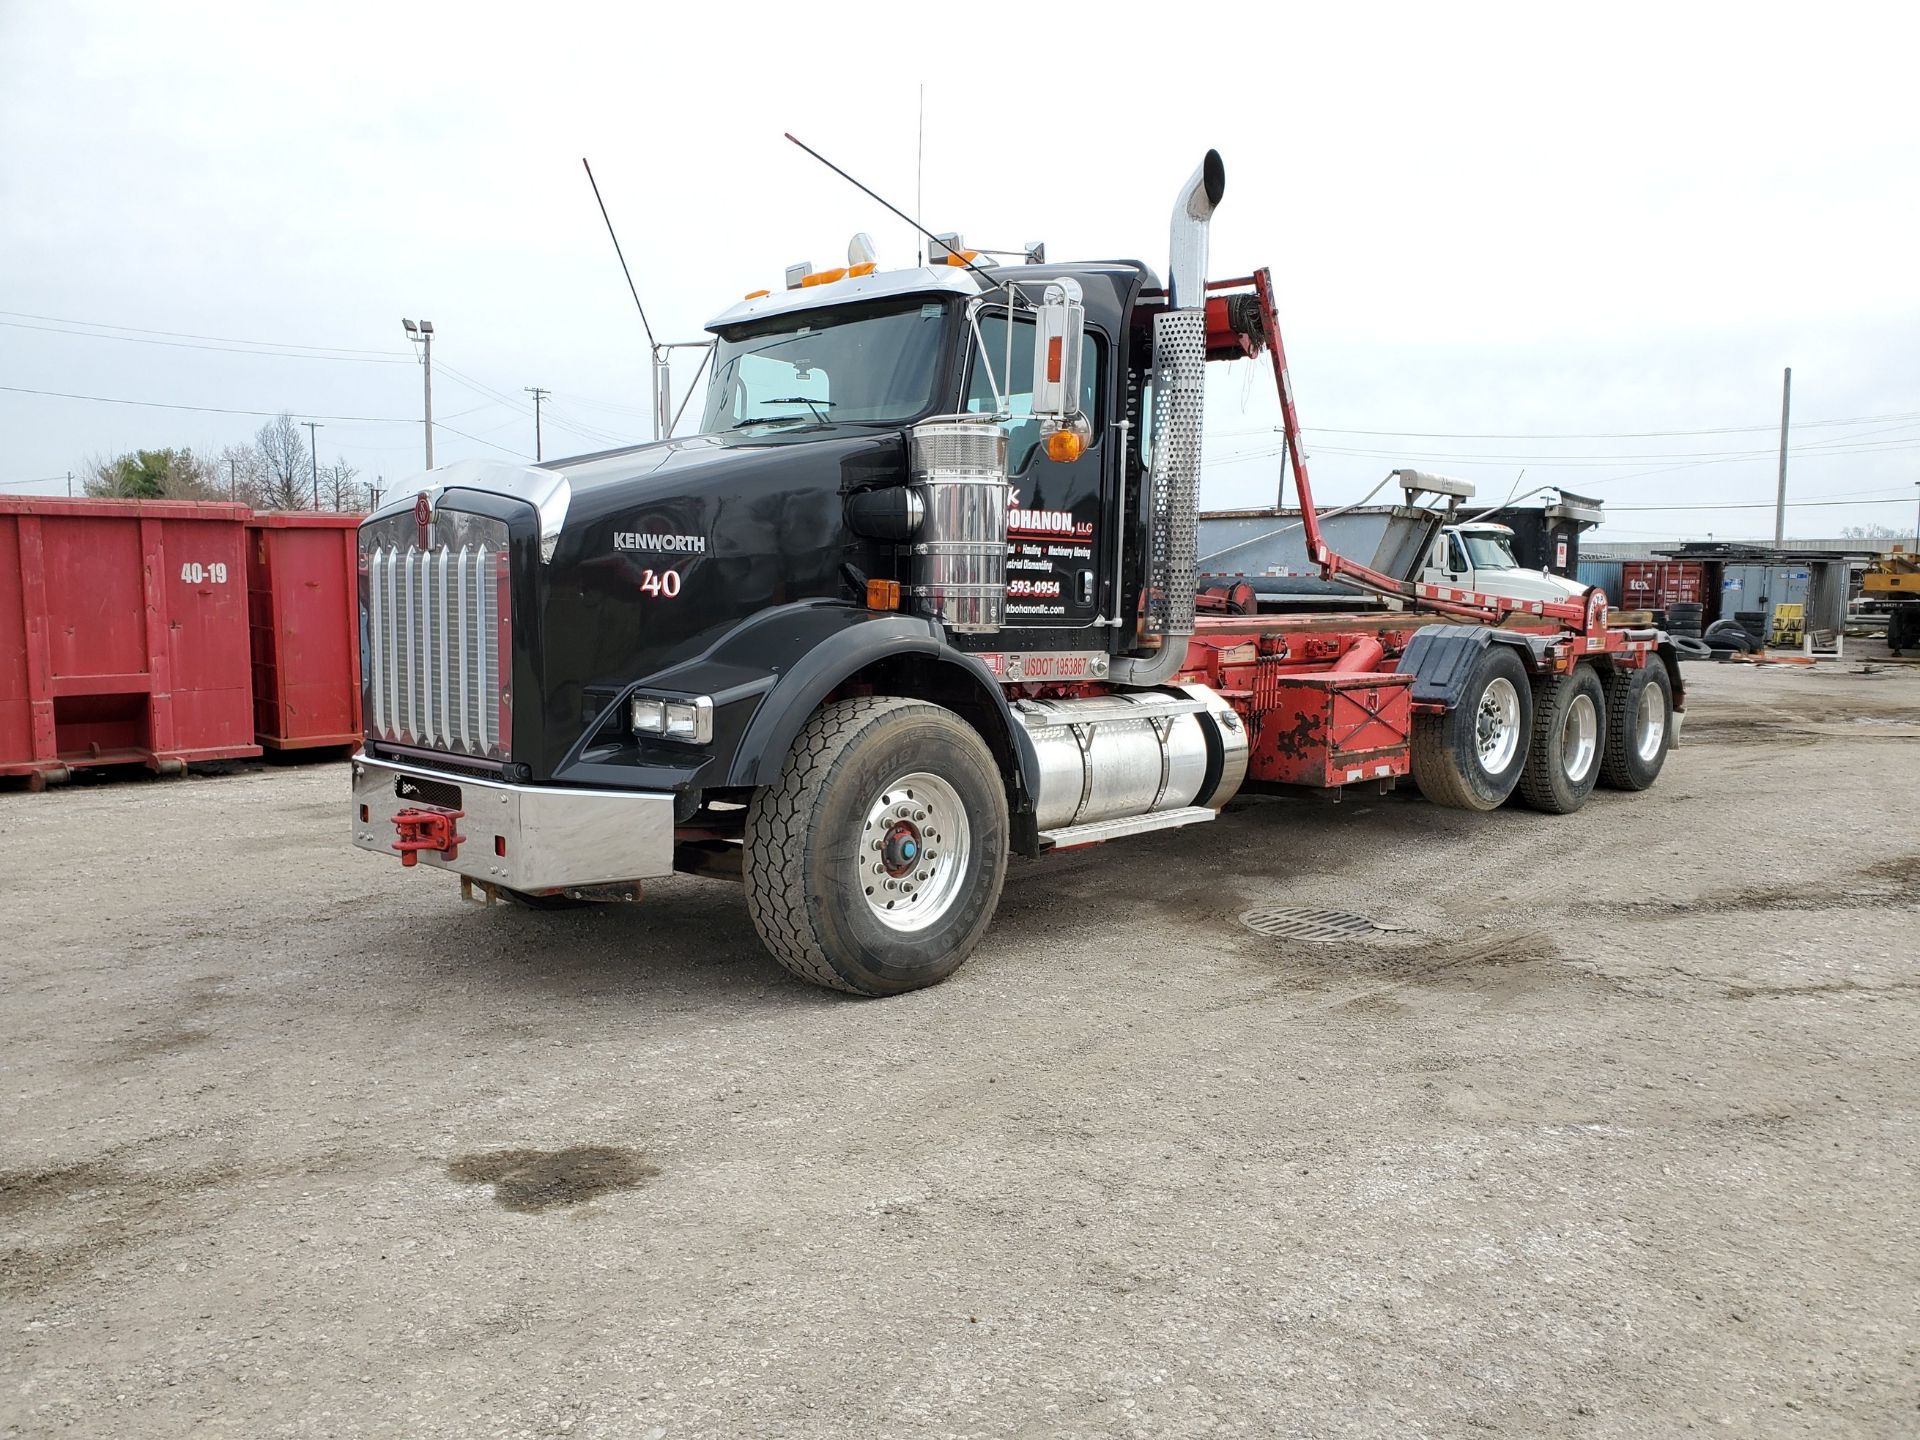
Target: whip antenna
{"x":894,"y":208}
{"x":622,"y":257}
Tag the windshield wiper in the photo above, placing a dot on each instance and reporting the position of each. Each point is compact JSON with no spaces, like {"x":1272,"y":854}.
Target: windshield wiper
{"x":780,"y":420}
{"x":817,"y":405}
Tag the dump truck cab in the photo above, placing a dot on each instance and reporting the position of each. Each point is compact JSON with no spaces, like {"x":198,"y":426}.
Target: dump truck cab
{"x":1478,"y":555}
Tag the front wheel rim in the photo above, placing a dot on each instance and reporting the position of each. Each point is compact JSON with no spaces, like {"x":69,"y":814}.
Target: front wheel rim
{"x":1496,"y":725}
{"x":914,"y":846}
{"x":1579,"y":738}
{"x":1650,"y":723}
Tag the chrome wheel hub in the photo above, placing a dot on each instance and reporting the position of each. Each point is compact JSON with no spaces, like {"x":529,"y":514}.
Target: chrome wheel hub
{"x":1496,"y":726}
{"x":1649,"y":723}
{"x":914,"y":847}
{"x":1579,"y":738}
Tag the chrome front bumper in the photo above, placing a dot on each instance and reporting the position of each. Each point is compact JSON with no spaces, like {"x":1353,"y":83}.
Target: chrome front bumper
{"x":523,"y":837}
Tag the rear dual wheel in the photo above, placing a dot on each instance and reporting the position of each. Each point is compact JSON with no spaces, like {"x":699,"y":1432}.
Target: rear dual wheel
{"x":1569,"y":739}
{"x":1471,"y":757}
{"x":1639,"y":725}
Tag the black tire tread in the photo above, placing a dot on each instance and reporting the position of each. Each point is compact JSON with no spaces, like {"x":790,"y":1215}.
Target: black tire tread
{"x":1536,"y":787}
{"x":1616,"y":768}
{"x":776,"y":840}
{"x":1434,"y":772}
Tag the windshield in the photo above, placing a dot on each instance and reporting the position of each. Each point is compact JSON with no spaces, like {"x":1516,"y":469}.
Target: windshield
{"x":880,"y":362}
{"x":1489,"y":551}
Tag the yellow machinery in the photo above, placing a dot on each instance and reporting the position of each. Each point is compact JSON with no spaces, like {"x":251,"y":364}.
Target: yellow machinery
{"x":1892,"y":582}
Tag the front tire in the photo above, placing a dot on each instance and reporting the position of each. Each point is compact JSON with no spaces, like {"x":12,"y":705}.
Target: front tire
{"x":873,"y":864}
{"x":1569,"y":736}
{"x":1471,"y":757}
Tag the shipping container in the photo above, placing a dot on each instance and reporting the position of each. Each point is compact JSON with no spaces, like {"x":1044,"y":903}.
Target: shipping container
{"x":303,"y":602}
{"x":1660,"y":584}
{"x":123,"y":635}
{"x":1606,"y":575}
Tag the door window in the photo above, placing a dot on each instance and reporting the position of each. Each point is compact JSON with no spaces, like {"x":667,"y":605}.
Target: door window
{"x":1023,"y":430}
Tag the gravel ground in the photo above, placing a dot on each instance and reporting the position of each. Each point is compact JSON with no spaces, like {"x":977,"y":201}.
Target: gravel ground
{"x":1616,"y":1137}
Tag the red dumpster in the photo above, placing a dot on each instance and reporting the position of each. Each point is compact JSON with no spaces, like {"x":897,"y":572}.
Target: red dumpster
{"x":303,"y":594}
{"x":122,"y":634}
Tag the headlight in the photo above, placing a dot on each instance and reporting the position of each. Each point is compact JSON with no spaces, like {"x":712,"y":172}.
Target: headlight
{"x":688,"y":719}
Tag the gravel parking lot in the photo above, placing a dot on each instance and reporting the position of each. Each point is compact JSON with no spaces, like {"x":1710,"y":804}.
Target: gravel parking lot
{"x":1616,"y":1136}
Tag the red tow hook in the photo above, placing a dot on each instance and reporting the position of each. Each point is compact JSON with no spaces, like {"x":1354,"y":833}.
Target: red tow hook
{"x":422,"y":829}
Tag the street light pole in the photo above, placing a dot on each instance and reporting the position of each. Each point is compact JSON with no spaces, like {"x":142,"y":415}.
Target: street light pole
{"x":1780,"y":504}
{"x":538,"y":395}
{"x":423,"y":332}
{"x":313,"y":454}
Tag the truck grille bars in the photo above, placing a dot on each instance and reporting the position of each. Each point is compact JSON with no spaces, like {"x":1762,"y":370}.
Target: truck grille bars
{"x":437,"y":646}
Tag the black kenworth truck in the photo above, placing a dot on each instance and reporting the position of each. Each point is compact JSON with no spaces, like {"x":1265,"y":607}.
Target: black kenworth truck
{"x":919,"y":593}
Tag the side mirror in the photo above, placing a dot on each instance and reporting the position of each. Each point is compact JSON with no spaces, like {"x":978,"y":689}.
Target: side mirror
{"x":1059,"y":328}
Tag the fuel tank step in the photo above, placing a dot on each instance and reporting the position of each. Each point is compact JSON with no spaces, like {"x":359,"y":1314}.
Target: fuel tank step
{"x":1098,"y":830}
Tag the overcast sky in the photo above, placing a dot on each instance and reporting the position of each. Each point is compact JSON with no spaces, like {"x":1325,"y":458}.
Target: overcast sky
{"x":1578,"y":241}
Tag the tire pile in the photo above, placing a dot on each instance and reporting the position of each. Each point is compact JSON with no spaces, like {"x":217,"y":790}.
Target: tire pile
{"x":1683,"y":624}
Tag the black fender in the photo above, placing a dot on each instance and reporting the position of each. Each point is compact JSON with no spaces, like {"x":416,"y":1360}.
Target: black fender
{"x":780,"y":666}
{"x":1441,"y":658}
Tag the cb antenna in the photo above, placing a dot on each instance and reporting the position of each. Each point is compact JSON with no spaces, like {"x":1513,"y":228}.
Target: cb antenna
{"x":660,"y":371}
{"x":894,"y":208}
{"x":619,"y":253}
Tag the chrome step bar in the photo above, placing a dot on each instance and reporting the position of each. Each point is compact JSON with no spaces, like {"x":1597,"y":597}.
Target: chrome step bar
{"x":1099,"y":830}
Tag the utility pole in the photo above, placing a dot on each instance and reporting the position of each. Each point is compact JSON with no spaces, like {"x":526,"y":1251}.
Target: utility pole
{"x":313,"y":454}
{"x":70,"y":488}
{"x":538,"y":395}
{"x":233,"y":479}
{"x":1780,"y":504}
{"x":423,"y":333}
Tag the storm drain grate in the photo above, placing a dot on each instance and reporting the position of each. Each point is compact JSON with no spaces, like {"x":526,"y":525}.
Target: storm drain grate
{"x":1298,"y":922}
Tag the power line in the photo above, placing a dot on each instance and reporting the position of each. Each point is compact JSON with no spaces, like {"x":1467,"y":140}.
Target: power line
{"x":263,"y":414}
{"x":242,"y":349}
{"x":188,"y":335}
{"x":207,"y":409}
{"x":1767,"y":505}
{"x":1594,"y":435}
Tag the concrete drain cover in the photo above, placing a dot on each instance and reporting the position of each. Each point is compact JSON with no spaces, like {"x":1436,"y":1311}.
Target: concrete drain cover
{"x":1298,"y":922}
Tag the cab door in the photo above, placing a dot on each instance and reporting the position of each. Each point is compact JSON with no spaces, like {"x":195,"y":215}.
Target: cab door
{"x":1054,"y":546}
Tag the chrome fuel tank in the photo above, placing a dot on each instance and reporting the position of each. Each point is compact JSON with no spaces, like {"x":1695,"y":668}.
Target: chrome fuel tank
{"x":1135,"y":753}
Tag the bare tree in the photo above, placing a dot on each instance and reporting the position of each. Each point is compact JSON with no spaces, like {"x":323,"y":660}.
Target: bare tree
{"x":337,"y":483}
{"x":283,"y":455}
{"x":241,"y":472}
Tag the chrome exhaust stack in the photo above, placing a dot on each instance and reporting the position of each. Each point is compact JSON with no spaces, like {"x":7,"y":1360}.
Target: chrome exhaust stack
{"x":1179,"y":409}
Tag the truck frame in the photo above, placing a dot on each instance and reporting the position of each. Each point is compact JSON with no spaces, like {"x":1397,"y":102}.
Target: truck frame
{"x":915,"y":599}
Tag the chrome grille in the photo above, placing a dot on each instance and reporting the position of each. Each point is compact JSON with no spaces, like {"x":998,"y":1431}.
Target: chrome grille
{"x":434,"y":662}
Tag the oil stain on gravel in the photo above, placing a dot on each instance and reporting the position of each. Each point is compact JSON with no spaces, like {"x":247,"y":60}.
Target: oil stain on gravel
{"x":529,"y":1181}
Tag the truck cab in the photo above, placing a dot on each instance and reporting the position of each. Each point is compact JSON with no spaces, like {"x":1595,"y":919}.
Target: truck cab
{"x":1478,"y":556}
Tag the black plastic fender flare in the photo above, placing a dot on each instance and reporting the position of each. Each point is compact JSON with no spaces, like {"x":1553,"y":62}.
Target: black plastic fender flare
{"x":830,"y":643}
{"x":1441,"y":658}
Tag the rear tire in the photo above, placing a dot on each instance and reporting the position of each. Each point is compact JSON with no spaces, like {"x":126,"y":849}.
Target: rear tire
{"x":1569,"y":737}
{"x":873,"y":864}
{"x":1639,"y":726}
{"x":1471,"y":757}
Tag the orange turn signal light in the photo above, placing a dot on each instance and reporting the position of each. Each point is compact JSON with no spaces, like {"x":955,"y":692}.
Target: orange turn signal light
{"x":883,"y":594}
{"x":756,"y":294}
{"x":1066,"y":446}
{"x":857,"y":270}
{"x":962,"y":257}
{"x":825,"y":277}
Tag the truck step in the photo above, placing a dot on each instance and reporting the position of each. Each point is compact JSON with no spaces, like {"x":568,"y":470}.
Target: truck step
{"x":1099,"y":830}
